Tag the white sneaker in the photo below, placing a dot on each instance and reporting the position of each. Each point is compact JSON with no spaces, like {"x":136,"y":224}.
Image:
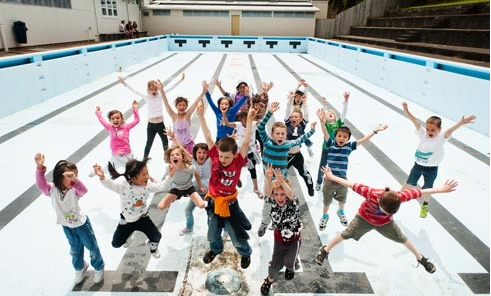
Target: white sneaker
{"x":156,"y":253}
{"x":92,"y":174}
{"x":80,"y":274}
{"x":128,"y":241}
{"x":185,"y":231}
{"x":317,"y":187}
{"x":98,"y":276}
{"x":311,"y":153}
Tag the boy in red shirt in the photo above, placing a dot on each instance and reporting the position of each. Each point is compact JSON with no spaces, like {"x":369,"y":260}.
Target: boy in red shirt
{"x":223,"y":207}
{"x":376,"y":213}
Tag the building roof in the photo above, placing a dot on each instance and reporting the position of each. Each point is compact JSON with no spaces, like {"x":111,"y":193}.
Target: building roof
{"x":283,"y":5}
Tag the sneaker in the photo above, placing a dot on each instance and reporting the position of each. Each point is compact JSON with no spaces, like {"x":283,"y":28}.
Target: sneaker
{"x":92,"y":174}
{"x":80,"y":274}
{"x":185,"y":231}
{"x":245,"y":261}
{"x":310,"y":188}
{"x":424,"y":211}
{"x":297,"y":265}
{"x":323,"y":223}
{"x":289,"y":274}
{"x":342,"y":217}
{"x":155,"y":253}
{"x":98,"y":276}
{"x":262,"y":230}
{"x":265,"y":287}
{"x":128,"y":241}
{"x":311,"y":153}
{"x":321,"y":255}
{"x":209,"y":256}
{"x":317,"y":187}
{"x":430,"y":267}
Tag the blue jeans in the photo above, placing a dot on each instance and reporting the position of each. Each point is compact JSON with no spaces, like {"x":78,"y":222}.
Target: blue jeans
{"x":78,"y":238}
{"x":189,"y":214}
{"x":429,"y":175}
{"x":322,"y":163}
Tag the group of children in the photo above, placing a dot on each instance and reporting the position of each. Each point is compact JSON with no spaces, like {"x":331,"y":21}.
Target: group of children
{"x":209,"y":174}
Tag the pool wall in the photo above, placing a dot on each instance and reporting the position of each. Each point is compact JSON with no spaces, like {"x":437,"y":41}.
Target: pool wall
{"x":450,"y":89}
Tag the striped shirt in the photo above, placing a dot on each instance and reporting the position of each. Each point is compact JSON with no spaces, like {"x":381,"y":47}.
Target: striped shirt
{"x":274,"y":154}
{"x":337,"y":157}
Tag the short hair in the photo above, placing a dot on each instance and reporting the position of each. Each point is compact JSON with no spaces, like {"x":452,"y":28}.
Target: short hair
{"x":168,"y":152}
{"x":276,"y":185}
{"x":278,"y":124}
{"x":181,"y":99}
{"x":112,"y":112}
{"x":227,"y":145}
{"x":230,"y":101}
{"x":299,"y":93}
{"x":256,"y":99}
{"x":389,"y":201}
{"x":151,"y":83}
{"x":343,"y":129}
{"x":241,"y":83}
{"x":435,"y":120}
{"x":203,"y":146}
{"x":242,"y":114}
{"x":297,"y":111}
{"x":61,"y":167}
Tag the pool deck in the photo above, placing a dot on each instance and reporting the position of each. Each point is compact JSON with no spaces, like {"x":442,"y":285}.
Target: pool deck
{"x":35,"y":253}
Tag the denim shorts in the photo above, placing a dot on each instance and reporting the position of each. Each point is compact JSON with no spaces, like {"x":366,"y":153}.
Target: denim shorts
{"x":429,"y":175}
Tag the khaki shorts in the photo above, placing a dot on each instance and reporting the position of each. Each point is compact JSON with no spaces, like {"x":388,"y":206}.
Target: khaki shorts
{"x":359,"y":226}
{"x":334,"y":190}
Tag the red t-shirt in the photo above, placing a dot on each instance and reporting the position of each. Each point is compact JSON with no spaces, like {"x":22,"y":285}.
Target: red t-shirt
{"x":369,"y":209}
{"x":223,"y":180}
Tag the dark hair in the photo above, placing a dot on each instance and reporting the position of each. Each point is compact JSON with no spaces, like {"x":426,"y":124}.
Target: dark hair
{"x":239,"y":84}
{"x":343,"y":129}
{"x":112,"y":112}
{"x":256,"y":99}
{"x":435,"y":120}
{"x":61,"y":167}
{"x":242,"y":114}
{"x":203,"y":146}
{"x":133,"y":168}
{"x":299,"y":93}
{"x":227,"y":145}
{"x":389,"y":201}
{"x":181,"y":99}
{"x":230,"y":102}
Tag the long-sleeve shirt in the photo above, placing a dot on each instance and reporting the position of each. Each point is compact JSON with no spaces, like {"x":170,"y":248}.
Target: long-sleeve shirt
{"x":134,"y":198}
{"x":274,"y":154}
{"x":223,"y":130}
{"x":119,"y":136}
{"x":369,"y":209}
{"x":65,"y":204}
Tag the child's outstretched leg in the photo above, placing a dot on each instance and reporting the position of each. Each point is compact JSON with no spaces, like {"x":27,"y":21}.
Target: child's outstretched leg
{"x":324,"y":250}
{"x":429,"y":267}
{"x":188,"y":212}
{"x":198,"y":201}
{"x":166,"y":201}
{"x":320,"y":174}
{"x":266,"y":219}
{"x":146,"y":226}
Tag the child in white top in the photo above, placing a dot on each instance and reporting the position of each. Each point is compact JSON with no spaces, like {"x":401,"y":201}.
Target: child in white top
{"x":155,"y":111}
{"x":429,"y":153}
{"x":65,"y":192}
{"x":134,"y":192}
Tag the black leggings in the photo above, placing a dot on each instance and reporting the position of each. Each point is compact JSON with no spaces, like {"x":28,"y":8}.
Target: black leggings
{"x":296,"y":160}
{"x":152,"y":130}
{"x":144,"y":224}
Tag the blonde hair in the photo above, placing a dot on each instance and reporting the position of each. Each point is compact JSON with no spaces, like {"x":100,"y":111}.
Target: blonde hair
{"x":168,"y":152}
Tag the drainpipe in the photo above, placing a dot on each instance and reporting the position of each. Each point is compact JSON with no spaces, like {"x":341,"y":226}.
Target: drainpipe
{"x":96,"y":22}
{"x":4,"y":39}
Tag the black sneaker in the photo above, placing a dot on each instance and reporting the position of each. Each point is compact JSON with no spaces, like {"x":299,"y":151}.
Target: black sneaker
{"x":239,"y":184}
{"x":430,"y":267}
{"x":209,"y":256}
{"x":289,"y":274}
{"x":262,"y":230}
{"x":266,"y":286}
{"x":321,"y":255}
{"x":245,"y":261}
{"x":310,"y":188}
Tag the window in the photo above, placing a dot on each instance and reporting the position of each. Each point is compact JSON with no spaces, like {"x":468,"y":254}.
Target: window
{"x":49,"y":3}
{"x":161,"y":12}
{"x":256,"y":13}
{"x":293,"y":14}
{"x":205,"y":13}
{"x":109,"y":7}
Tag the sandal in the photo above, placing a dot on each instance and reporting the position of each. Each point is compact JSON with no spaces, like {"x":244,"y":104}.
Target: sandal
{"x":266,"y":286}
{"x":259,"y":194}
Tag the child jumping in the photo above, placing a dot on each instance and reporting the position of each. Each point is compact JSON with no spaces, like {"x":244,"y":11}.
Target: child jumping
{"x":338,"y":150}
{"x":65,"y":192}
{"x":285,"y":214}
{"x":223,"y":207}
{"x":155,"y":112}
{"x":332,"y":123}
{"x":429,"y":153}
{"x":297,"y":101}
{"x":134,"y":192}
{"x":376,"y":213}
{"x":119,"y":132}
{"x":182,"y":119}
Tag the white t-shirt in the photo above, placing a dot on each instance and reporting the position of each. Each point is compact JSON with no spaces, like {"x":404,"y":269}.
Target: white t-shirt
{"x":430,"y":150}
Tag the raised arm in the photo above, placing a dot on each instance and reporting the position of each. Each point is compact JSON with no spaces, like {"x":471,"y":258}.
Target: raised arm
{"x":101,"y":118}
{"x":346,"y":95}
{"x":168,"y":108}
{"x":218,"y":84}
{"x":41,"y":182}
{"x":192,"y":108}
{"x":379,"y":128}
{"x":280,"y":179}
{"x":321,"y":115}
{"x":411,"y":117}
{"x":173,"y":84}
{"x":449,"y":186}
{"x":268,"y":182}
{"x":212,"y":104}
{"x":204,"y":126}
{"x":123,"y":82}
{"x":464,"y":120}
{"x":136,"y":115}
{"x":328,"y":175}
{"x":247,"y":136}
{"x":170,"y":133}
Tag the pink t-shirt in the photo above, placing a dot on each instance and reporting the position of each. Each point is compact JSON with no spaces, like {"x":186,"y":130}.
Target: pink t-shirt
{"x":120,"y":136}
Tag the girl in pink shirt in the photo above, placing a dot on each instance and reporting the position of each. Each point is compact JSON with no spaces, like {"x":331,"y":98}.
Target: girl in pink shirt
{"x":119,"y":132}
